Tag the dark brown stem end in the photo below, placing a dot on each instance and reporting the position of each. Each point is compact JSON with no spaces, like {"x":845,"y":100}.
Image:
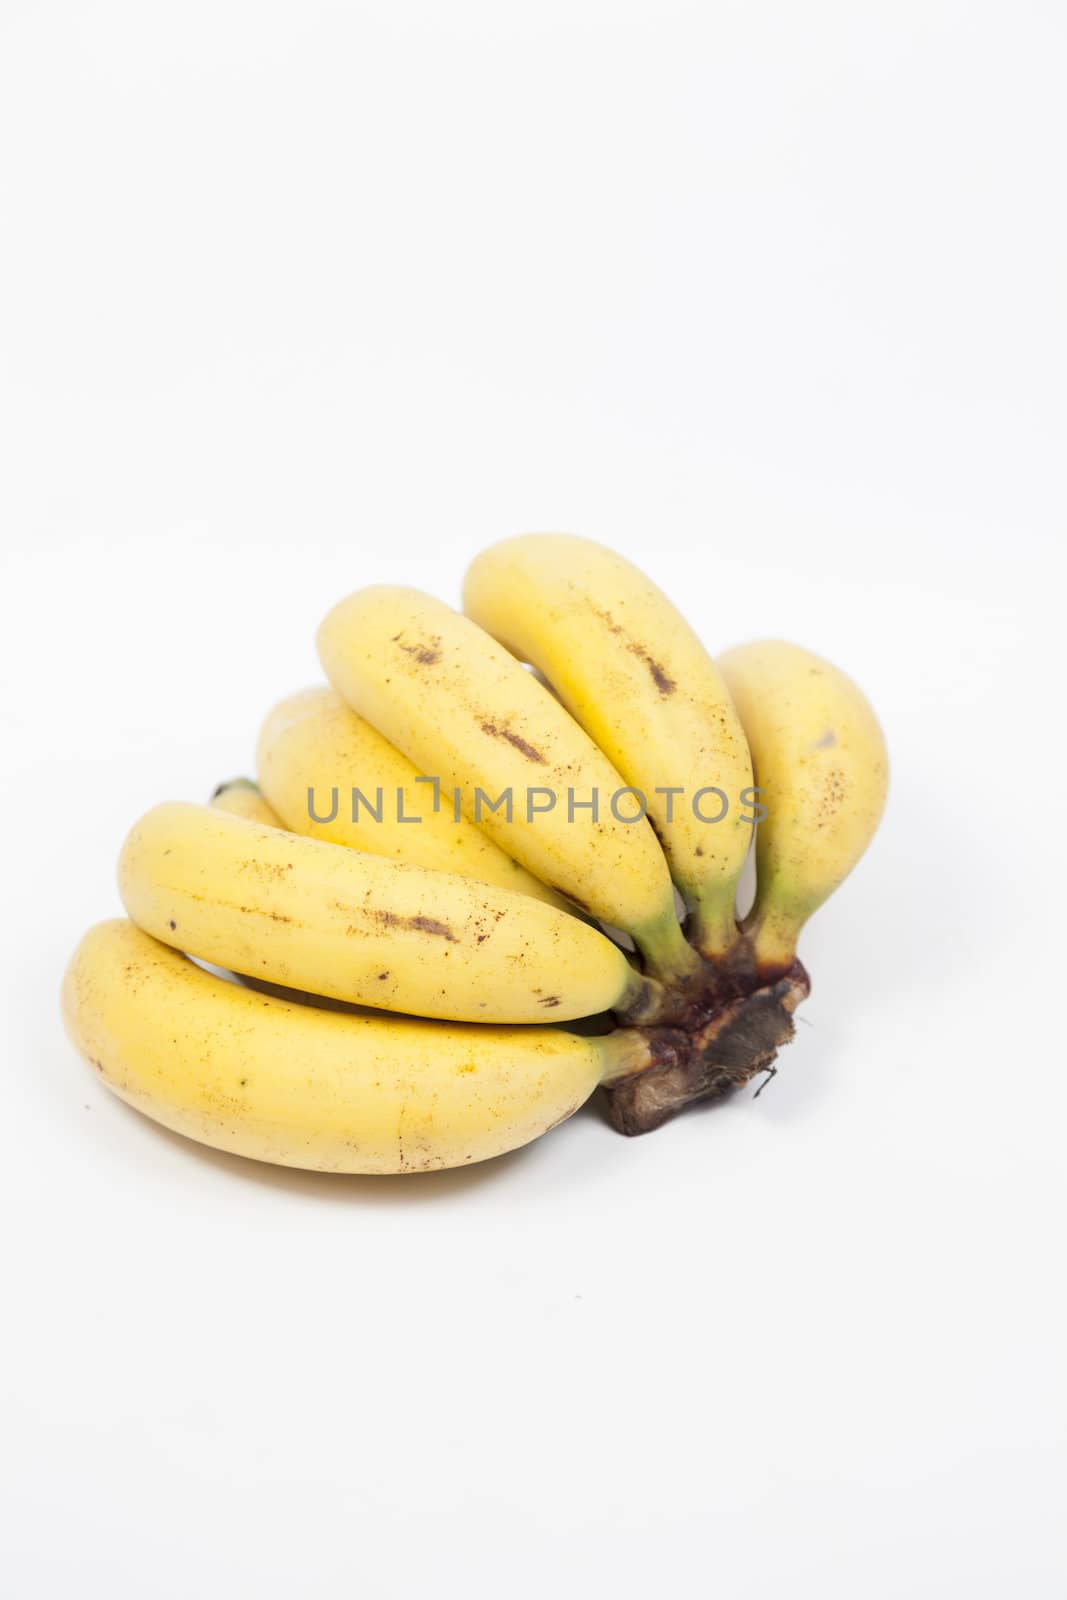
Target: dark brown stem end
{"x":739,"y":1041}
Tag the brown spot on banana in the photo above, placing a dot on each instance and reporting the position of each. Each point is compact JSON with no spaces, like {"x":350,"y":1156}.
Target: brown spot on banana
{"x":495,"y":731}
{"x":439,"y":930}
{"x":660,"y":676}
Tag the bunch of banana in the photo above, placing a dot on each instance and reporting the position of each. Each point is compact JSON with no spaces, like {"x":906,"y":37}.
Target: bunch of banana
{"x":465,"y":894}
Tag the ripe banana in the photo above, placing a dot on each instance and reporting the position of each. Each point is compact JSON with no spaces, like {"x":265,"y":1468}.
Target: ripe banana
{"x":339,"y":922}
{"x":823,"y":770}
{"x":310,"y":1087}
{"x":635,"y":676}
{"x":241,"y":798}
{"x":315,"y":754}
{"x":466,"y":712}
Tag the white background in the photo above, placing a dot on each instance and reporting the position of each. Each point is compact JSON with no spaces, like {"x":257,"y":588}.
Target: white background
{"x":298,"y":297}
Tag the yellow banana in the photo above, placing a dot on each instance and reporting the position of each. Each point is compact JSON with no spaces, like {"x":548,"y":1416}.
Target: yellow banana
{"x":310,"y":1087}
{"x":635,"y":676}
{"x":338,"y":922}
{"x":241,"y":798}
{"x":466,"y":712}
{"x":822,"y":767}
{"x":316,"y":757}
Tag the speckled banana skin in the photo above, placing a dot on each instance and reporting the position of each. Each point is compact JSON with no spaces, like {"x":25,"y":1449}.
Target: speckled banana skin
{"x":314,"y":740}
{"x":821,"y":763}
{"x":304,"y":1087}
{"x":338,"y":922}
{"x":241,"y":798}
{"x":635,"y":676}
{"x":464,"y":710}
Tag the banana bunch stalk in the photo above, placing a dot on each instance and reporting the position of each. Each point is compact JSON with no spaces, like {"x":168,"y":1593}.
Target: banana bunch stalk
{"x":490,"y":868}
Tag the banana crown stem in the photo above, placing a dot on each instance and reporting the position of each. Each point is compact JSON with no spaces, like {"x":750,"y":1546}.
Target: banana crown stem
{"x":737,"y":1042}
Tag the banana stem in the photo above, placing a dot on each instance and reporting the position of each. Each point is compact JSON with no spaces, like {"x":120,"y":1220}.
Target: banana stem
{"x":234,"y":783}
{"x":771,"y":935}
{"x":667,"y":954}
{"x":737,"y":1042}
{"x":625,"y":1052}
{"x":648,"y":1002}
{"x":711,"y":927}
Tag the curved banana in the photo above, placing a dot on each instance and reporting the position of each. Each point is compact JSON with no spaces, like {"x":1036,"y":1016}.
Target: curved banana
{"x":241,"y":798}
{"x":332,"y":776}
{"x":823,"y":771}
{"x":633,"y":673}
{"x":466,"y":712}
{"x":338,"y":922}
{"x":309,"y":1087}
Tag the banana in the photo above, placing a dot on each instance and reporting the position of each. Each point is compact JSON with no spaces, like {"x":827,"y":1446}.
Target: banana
{"x":823,"y":770}
{"x":466,"y":712}
{"x":635,"y":676}
{"x":317,"y":757}
{"x":309,"y":1087}
{"x":338,"y":922}
{"x":241,"y":798}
